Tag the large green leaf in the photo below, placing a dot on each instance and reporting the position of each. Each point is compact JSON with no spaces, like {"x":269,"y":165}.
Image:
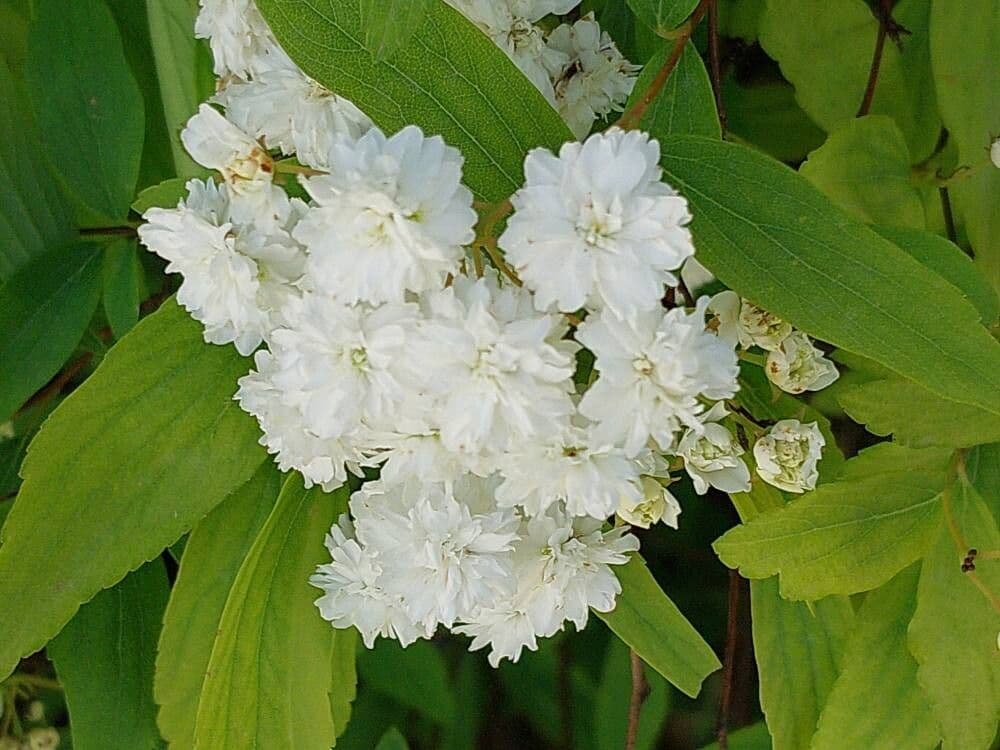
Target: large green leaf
{"x":415,"y":676}
{"x":184,"y":71}
{"x":87,"y":102}
{"x":104,"y":658}
{"x":448,"y":78}
{"x":44,"y":310}
{"x":686,"y":104}
{"x":653,"y":627}
{"x":966,"y":67}
{"x":34,"y":215}
{"x":954,"y":630}
{"x":825,"y":49}
{"x":662,"y":15}
{"x":864,"y":167}
{"x":851,"y":535}
{"x":214,"y":552}
{"x":132,"y":459}
{"x":269,"y":678}
{"x":876,"y":703}
{"x":766,"y":232}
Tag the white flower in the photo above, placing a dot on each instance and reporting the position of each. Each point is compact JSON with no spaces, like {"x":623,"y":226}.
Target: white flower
{"x":653,"y":374}
{"x":741,"y":321}
{"x":240,"y":37}
{"x":995,"y":152}
{"x":498,"y":369}
{"x":788,"y":454}
{"x":237,"y":278}
{"x":657,"y":504}
{"x":712,"y":456}
{"x":798,"y":366}
{"x":596,"y":227}
{"x":292,"y":113}
{"x":563,"y":570}
{"x":216,"y":143}
{"x":444,"y":549}
{"x":353,"y":595}
{"x":597,"y":80}
{"x":391,"y":218}
{"x":592,"y":478}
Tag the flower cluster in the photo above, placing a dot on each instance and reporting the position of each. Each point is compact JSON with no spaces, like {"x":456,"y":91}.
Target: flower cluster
{"x":516,"y":423}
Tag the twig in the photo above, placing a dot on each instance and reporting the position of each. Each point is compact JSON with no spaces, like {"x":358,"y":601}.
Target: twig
{"x":886,"y":27}
{"x":633,"y":115}
{"x":715,"y":63}
{"x":640,"y":691}
{"x":729,"y":669}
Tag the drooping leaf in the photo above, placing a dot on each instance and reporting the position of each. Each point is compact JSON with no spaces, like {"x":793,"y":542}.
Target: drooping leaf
{"x":876,"y":702}
{"x":212,"y":557}
{"x":87,"y":102}
{"x":44,"y":310}
{"x":269,"y":677}
{"x":122,"y":285}
{"x":133,"y":458}
{"x":184,"y":71}
{"x":34,"y":215}
{"x":686,"y":104}
{"x":954,"y":630}
{"x":764,"y":231}
{"x":850,"y":535}
{"x":416,"y":676}
{"x":825,"y":49}
{"x":864,"y":167}
{"x":449,"y":78}
{"x":652,"y":626}
{"x":104,"y":658}
{"x":611,"y":705}
{"x":662,"y":15}
{"x":965,"y":70}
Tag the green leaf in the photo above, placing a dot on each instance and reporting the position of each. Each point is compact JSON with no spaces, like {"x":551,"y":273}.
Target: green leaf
{"x":270,"y":674}
{"x":34,"y":215}
{"x":864,"y":167}
{"x":611,"y":705}
{"x":212,"y":557}
{"x":165,"y":195}
{"x":415,"y":676}
{"x":184,"y":67}
{"x":662,"y":15}
{"x":104,"y":658}
{"x":948,"y":260}
{"x":87,"y":102}
{"x":652,"y":626}
{"x":122,"y":285}
{"x":850,"y":535}
{"x":753,"y":737}
{"x":740,"y":19}
{"x":799,"y":649}
{"x":392,"y":740}
{"x":686,"y":105}
{"x":389,"y":24}
{"x":982,"y":466}
{"x":876,"y":702}
{"x":965,"y":69}
{"x":449,"y":78}
{"x":954,"y":630}
{"x":133,"y":458}
{"x":825,"y":49}
{"x":764,"y":231}
{"x":767,"y":116}
{"x":344,"y":677}
{"x":44,"y":310}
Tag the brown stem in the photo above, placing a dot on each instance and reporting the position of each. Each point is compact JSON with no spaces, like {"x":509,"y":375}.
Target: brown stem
{"x":632,"y":116}
{"x":715,"y":62}
{"x":887,"y":26}
{"x":640,"y":691}
{"x":729,"y":668}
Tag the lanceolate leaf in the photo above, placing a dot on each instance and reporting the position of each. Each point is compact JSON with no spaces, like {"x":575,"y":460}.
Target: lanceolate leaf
{"x":132,"y":459}
{"x":763,"y":230}
{"x":653,"y":627}
{"x":686,"y":105}
{"x":88,"y":105}
{"x":212,"y":557}
{"x":850,"y":535}
{"x":449,"y":78}
{"x":122,"y":285}
{"x":104,"y":658}
{"x":954,"y":630}
{"x":876,"y":701}
{"x":44,"y":311}
{"x":269,"y":677}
